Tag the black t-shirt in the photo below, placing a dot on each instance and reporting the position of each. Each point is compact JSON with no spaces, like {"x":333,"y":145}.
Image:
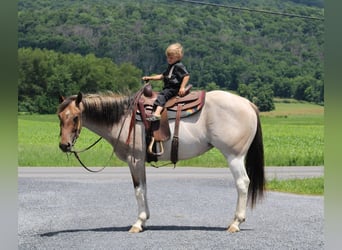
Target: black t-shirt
{"x":177,"y":75}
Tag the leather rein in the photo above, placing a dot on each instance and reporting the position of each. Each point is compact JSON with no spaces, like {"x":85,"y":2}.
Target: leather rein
{"x":76,"y":152}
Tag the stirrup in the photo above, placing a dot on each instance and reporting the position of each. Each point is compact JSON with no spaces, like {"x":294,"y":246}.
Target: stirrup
{"x":150,"y":147}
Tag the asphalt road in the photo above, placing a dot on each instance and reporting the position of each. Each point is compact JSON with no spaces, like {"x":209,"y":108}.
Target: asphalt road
{"x":69,"y":208}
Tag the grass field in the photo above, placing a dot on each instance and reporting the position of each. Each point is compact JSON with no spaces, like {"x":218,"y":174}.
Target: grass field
{"x":293,"y":136}
{"x":309,"y":186}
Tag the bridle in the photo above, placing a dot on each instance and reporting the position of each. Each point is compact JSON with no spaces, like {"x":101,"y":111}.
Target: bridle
{"x":77,"y":130}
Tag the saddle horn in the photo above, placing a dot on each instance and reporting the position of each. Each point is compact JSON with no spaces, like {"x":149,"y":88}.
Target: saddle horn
{"x":148,"y":90}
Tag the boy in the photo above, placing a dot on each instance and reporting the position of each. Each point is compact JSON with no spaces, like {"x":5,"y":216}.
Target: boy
{"x":175,"y":78}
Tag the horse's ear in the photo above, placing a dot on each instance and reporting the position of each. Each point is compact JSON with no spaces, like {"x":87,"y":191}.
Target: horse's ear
{"x":61,"y":98}
{"x":79,"y":98}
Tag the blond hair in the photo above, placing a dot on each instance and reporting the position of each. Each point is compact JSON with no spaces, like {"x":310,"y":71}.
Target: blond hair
{"x":175,"y":49}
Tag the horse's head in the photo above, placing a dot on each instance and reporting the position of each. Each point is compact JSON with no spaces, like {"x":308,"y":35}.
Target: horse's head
{"x":70,"y":117}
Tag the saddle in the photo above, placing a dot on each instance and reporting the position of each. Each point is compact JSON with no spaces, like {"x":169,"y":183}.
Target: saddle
{"x":159,"y":131}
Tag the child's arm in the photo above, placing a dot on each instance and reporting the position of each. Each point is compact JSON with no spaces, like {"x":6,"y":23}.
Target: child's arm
{"x":185,"y":81}
{"x":154,"y":78}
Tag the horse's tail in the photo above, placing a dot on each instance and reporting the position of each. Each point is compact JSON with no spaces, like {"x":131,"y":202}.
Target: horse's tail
{"x":255,"y":165}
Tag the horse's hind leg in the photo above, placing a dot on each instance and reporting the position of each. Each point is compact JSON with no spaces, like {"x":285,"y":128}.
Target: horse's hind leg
{"x":138,"y":172}
{"x":241,"y":179}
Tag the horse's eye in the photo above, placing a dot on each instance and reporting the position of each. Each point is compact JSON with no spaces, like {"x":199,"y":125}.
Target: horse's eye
{"x":76,"y":119}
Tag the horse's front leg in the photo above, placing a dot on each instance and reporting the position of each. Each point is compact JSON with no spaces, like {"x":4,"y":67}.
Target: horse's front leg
{"x":138,"y":173}
{"x":238,"y":170}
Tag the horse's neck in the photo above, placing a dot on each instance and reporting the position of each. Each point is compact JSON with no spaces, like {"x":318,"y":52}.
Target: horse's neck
{"x":99,"y":130}
{"x":109,"y":132}
{"x":104,"y":115}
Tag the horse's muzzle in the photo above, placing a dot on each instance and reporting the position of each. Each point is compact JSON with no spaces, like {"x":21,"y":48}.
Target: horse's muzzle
{"x":65,"y":147}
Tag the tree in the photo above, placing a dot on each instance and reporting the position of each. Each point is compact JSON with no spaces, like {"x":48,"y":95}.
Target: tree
{"x":220,"y":47}
{"x":263,"y":98}
{"x":44,"y":75}
{"x":260,"y":95}
{"x":245,"y":91}
{"x":211,"y":86}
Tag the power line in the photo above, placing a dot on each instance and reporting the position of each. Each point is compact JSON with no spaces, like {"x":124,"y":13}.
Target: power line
{"x":252,"y":10}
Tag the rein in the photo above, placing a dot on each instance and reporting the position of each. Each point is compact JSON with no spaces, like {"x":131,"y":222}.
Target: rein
{"x":131,"y":107}
{"x":76,"y":152}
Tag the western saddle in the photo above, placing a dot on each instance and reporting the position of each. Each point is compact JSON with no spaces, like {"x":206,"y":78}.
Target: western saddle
{"x":159,"y":131}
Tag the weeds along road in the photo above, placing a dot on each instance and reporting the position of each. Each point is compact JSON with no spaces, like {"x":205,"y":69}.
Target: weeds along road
{"x":69,"y":208}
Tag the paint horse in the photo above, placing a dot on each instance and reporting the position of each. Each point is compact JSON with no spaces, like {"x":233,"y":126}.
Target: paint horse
{"x":226,"y":121}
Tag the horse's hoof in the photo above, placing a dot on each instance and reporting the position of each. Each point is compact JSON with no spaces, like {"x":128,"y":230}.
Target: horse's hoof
{"x":233,"y":229}
{"x":135,"y":229}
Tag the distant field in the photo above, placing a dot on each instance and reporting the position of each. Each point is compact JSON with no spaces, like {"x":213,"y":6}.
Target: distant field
{"x":293,"y":136}
{"x":291,"y":107}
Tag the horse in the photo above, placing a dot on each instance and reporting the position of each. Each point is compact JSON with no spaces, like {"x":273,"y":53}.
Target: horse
{"x":226,"y":121}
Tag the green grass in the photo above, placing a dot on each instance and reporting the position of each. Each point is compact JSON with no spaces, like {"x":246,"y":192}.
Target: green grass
{"x":293,"y":140}
{"x":310,"y":186}
{"x":293,"y":136}
{"x":38,"y":138}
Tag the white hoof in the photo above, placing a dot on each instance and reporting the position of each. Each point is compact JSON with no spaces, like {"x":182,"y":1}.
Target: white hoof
{"x":233,"y":228}
{"x":135,"y":229}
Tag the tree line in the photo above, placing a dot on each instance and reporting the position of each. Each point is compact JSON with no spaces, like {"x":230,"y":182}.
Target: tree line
{"x":44,"y":75}
{"x":258,"y":56}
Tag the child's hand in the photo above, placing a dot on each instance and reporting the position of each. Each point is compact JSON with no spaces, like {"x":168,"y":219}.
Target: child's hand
{"x":145,"y":78}
{"x":181,"y":91}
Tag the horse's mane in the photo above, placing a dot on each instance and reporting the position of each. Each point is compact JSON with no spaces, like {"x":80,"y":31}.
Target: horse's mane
{"x":107,"y":108}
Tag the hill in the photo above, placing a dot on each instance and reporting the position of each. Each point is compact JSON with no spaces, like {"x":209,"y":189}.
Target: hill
{"x":224,"y":48}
